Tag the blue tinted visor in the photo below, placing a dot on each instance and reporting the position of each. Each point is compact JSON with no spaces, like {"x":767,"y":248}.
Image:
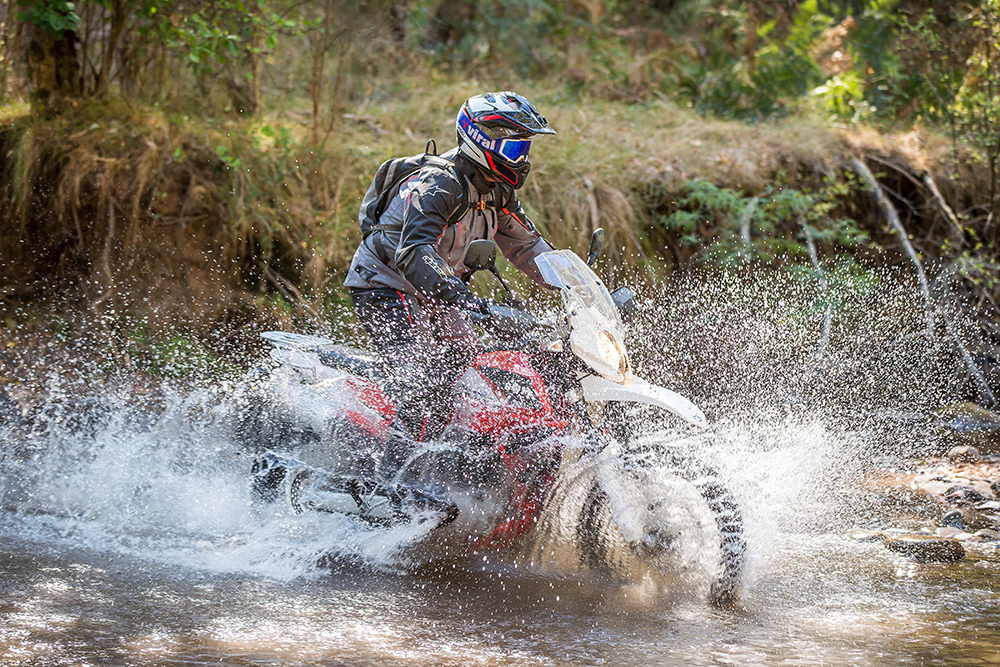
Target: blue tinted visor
{"x":514,"y":150}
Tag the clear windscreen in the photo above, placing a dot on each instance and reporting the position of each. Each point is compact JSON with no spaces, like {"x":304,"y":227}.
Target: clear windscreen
{"x":579,"y":285}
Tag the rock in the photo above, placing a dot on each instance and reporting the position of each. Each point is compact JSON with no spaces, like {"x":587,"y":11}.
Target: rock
{"x":927,"y":549}
{"x":953,"y":519}
{"x":975,"y":520}
{"x":995,"y":488}
{"x":867,"y":536}
{"x":964,"y":494}
{"x":972,"y":425}
{"x":964,"y":454}
{"x":988,"y":534}
{"x":948,"y":531}
{"x":10,"y":411}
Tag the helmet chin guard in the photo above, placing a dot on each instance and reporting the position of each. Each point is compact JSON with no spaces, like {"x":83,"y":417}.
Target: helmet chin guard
{"x":495,"y":130}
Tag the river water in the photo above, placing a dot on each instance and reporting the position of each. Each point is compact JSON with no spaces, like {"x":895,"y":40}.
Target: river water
{"x":128,"y":536}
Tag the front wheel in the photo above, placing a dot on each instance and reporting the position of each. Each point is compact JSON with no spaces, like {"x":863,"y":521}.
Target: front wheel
{"x":657,"y":510}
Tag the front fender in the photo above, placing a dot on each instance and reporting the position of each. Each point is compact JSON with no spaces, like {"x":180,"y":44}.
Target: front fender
{"x":635,"y":389}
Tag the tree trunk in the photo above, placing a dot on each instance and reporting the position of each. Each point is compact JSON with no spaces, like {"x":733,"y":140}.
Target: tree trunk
{"x":53,"y":70}
{"x":119,"y":16}
{"x":5,"y":49}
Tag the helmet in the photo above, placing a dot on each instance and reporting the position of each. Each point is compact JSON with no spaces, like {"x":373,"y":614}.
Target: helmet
{"x":495,"y":130}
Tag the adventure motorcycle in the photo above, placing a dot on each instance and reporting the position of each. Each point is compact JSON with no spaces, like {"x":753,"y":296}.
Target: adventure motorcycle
{"x":546,"y":400}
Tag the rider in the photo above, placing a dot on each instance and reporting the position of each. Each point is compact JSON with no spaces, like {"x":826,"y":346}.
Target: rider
{"x":408,"y":278}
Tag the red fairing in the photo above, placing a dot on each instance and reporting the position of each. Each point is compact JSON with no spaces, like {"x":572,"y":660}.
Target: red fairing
{"x":511,"y":418}
{"x":371,"y":396}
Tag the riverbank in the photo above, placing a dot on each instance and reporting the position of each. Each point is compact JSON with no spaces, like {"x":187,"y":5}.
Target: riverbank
{"x":940,"y":508}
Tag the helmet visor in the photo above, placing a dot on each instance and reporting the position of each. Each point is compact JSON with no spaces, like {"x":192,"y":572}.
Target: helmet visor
{"x":514,"y":150}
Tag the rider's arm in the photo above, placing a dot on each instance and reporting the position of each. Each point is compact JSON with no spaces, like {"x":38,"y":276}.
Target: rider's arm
{"x":517,"y":237}
{"x":433,"y":200}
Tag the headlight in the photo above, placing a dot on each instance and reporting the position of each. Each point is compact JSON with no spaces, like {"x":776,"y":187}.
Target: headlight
{"x":610,"y":352}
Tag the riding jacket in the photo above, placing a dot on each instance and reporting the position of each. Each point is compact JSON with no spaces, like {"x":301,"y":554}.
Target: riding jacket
{"x":419,"y":249}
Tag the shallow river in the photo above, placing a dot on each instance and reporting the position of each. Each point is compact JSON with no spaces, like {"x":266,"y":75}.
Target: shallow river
{"x":140,"y":547}
{"x":130,"y":538}
{"x":821,"y":600}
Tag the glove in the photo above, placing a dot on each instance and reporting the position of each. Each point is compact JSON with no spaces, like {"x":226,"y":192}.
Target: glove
{"x":477,"y":304}
{"x":511,"y":321}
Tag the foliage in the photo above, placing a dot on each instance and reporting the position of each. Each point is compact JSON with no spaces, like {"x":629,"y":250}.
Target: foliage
{"x":52,"y":16}
{"x":253,"y":126}
{"x":770,"y":83}
{"x":729,"y":227}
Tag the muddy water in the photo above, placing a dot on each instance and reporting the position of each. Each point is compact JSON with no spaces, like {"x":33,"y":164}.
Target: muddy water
{"x":820,"y":601}
{"x":140,"y":546}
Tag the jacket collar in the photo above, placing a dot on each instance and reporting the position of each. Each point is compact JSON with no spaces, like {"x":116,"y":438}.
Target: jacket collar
{"x":468,"y":169}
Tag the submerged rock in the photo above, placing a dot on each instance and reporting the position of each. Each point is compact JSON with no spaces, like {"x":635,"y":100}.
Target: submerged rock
{"x":868,"y":536}
{"x":969,"y":424}
{"x":953,"y":519}
{"x":927,"y":548}
{"x":964,"y":454}
{"x":964,"y":494}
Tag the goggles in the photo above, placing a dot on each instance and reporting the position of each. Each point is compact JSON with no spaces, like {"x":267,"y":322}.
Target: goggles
{"x":514,"y":150}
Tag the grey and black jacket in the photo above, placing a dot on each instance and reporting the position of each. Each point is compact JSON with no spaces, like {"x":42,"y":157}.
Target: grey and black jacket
{"x":419,"y":248}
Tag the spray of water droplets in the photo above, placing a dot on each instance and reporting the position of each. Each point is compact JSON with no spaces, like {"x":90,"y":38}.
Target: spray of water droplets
{"x":801,"y":386}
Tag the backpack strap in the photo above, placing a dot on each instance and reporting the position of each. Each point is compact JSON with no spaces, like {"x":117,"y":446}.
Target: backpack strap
{"x":433,"y":160}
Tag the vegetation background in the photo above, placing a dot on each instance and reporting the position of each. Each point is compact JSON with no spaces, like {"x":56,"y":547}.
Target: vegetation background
{"x":176,"y":175}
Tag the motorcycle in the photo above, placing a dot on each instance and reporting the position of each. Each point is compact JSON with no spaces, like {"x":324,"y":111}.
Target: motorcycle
{"x":543,"y":404}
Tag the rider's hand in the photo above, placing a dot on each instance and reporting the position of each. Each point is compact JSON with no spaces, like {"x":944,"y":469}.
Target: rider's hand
{"x":512,"y":321}
{"x":476,"y":304}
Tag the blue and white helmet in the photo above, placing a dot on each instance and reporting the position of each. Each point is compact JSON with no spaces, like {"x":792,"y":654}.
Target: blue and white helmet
{"x":495,"y":130}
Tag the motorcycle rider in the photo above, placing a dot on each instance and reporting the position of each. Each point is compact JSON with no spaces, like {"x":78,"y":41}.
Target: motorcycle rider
{"x":408,"y":280}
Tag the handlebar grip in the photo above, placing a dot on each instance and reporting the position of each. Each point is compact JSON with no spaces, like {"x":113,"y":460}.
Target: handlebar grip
{"x":513,"y":321}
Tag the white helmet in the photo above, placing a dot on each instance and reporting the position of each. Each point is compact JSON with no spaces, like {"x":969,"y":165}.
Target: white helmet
{"x":495,"y":130}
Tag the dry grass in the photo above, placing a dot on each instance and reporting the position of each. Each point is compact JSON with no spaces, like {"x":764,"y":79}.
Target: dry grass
{"x":191,"y":219}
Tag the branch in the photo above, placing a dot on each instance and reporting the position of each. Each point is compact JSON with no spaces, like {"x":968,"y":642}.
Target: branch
{"x":893,"y":217}
{"x":948,"y":213}
{"x":824,"y":287}
{"x":290,"y":292}
{"x":970,"y":364}
{"x":745,"y":225}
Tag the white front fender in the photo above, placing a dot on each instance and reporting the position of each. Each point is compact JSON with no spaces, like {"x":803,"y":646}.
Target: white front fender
{"x":597,"y":388}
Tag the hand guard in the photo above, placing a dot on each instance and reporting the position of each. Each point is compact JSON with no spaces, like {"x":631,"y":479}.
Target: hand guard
{"x":471,"y":302}
{"x":510,"y":322}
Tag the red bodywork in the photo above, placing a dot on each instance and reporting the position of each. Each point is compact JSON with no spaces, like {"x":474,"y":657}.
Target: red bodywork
{"x":505,"y":417}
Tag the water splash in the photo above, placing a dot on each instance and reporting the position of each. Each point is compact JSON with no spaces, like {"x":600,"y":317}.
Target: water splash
{"x":792,"y":425}
{"x":171,"y":485}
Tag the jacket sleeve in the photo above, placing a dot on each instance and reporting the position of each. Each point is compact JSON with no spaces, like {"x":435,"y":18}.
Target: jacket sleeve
{"x":518,"y":239}
{"x":431,"y":202}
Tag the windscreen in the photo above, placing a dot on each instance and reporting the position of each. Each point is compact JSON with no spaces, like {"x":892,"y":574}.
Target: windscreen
{"x":579,"y":285}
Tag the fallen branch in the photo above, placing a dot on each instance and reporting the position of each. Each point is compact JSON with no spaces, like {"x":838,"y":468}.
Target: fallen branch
{"x":745,"y":225}
{"x":893,"y":217}
{"x":926,"y":180}
{"x":290,"y":292}
{"x":824,"y":287}
{"x":948,"y":213}
{"x":970,"y":363}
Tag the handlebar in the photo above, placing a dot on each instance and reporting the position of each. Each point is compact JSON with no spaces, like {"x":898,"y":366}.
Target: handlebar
{"x":505,"y":321}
